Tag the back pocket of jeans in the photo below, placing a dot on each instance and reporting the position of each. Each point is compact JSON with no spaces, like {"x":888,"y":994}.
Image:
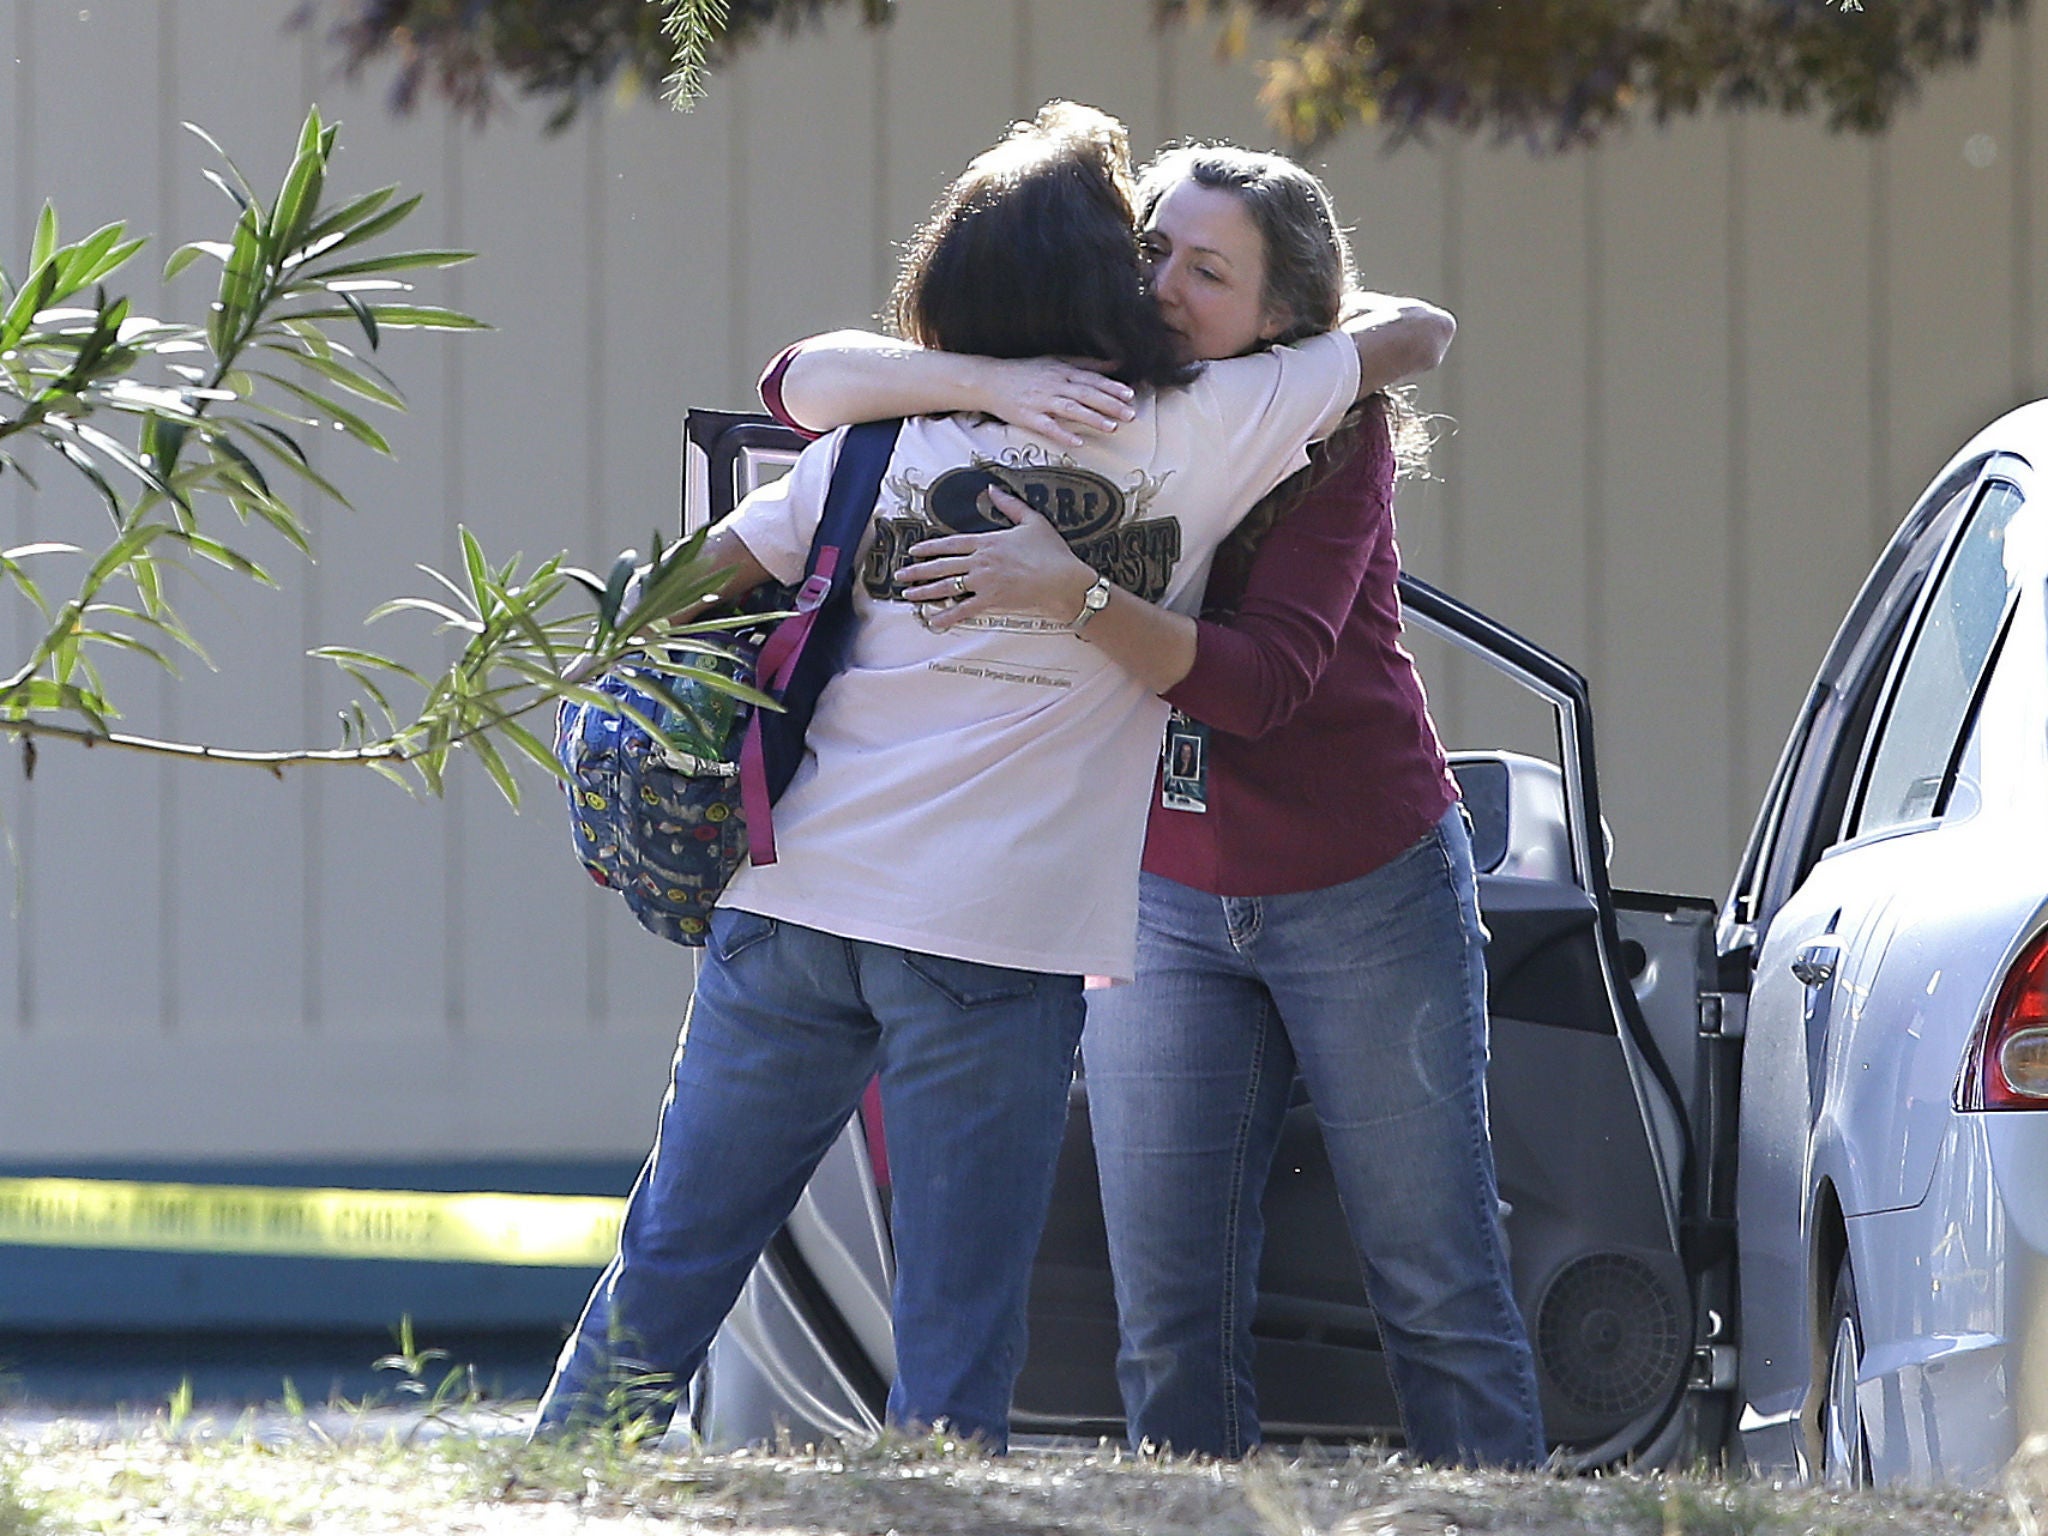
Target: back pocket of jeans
{"x":969,"y":983}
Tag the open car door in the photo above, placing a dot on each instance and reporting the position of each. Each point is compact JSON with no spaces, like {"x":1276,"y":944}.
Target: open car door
{"x":1610,"y":1095}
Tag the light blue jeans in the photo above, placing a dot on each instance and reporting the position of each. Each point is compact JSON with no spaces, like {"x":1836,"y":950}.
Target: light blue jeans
{"x":1374,"y":991}
{"x":785,"y":1030}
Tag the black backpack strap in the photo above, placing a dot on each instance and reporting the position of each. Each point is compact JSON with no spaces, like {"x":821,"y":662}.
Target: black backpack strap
{"x":809,"y":649}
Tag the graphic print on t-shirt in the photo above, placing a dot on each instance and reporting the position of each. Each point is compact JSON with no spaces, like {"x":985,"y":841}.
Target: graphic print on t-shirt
{"x":1104,"y":523}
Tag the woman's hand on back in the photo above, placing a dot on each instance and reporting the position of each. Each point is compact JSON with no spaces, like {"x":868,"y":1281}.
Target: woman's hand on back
{"x":1026,"y":570}
{"x":1056,"y":399}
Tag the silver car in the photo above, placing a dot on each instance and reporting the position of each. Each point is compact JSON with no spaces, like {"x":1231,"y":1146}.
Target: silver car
{"x":1887,"y":923}
{"x":1766,"y":1195}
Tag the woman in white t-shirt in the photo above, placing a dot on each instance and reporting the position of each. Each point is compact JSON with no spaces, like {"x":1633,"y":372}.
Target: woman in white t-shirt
{"x":961,"y":843}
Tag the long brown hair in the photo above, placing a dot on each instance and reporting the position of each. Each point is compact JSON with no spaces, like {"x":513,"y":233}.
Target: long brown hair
{"x":1308,"y":271}
{"x":1364,"y":429}
{"x":1033,"y":252}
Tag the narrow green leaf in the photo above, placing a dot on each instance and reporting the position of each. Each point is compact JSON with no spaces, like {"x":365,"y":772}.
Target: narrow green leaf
{"x":368,"y":684}
{"x":35,"y":295}
{"x":222,"y":555}
{"x":149,"y":586}
{"x":397,"y":261}
{"x":287,"y":522}
{"x":349,"y":422}
{"x":170,"y":630}
{"x":349,"y":214}
{"x":615,"y":587}
{"x":403,"y":317}
{"x":364,"y":317}
{"x":113,"y":448}
{"x":454,"y":590}
{"x":241,"y":200}
{"x":124,"y":552}
{"x":519,"y":610}
{"x":292,"y":457}
{"x":479,"y":572}
{"x":26,"y":587}
{"x":163,"y":441}
{"x":347,"y":653}
{"x":440,"y":611}
{"x":310,"y":335}
{"x":111,"y":260}
{"x":534,"y":748}
{"x":113,"y":639}
{"x":377,"y":224}
{"x":494,"y":765}
{"x":76,"y":262}
{"x":239,"y":280}
{"x":44,"y":245}
{"x":300,"y":194}
{"x":46,"y":694}
{"x":222,"y":444}
{"x":351,"y":379}
{"x":185,"y":255}
{"x":284,"y":444}
{"x":82,"y":462}
{"x":248,"y":193}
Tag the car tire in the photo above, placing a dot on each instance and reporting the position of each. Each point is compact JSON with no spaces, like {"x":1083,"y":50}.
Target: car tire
{"x":1844,"y":1444}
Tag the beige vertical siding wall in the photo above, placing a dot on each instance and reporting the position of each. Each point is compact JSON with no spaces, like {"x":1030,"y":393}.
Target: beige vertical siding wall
{"x":1701,"y":374}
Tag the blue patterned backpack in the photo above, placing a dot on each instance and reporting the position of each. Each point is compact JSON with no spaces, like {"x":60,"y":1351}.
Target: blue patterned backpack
{"x":667,"y":829}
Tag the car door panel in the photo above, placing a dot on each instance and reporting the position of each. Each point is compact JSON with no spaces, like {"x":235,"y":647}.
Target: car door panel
{"x":1779,"y":1103}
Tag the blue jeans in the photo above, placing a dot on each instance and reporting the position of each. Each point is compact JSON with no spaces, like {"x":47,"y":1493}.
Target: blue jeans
{"x":785,"y":1030}
{"x":1374,"y":991}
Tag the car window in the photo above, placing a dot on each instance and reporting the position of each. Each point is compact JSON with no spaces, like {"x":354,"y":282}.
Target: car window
{"x":1966,"y":789}
{"x":1959,"y":625}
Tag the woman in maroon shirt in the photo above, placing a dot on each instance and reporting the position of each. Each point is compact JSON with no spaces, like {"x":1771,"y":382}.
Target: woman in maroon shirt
{"x":1309,"y":904}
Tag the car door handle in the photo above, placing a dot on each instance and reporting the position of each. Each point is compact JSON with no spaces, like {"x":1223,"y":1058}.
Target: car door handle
{"x":1815,"y":964}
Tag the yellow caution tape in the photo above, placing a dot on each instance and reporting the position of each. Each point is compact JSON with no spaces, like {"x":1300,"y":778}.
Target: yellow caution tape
{"x":571,"y":1231}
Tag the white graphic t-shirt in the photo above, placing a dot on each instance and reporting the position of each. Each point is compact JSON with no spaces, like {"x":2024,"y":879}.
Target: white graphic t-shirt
{"x":981,"y":793}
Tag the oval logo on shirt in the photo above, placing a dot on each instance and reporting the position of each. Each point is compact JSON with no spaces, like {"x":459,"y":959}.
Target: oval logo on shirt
{"x":1079,"y":502}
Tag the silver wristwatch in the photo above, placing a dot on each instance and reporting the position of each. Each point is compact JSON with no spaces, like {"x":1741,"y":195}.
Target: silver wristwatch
{"x":1095,"y":600}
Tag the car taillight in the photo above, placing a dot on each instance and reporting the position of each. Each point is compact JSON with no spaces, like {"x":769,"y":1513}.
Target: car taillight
{"x":2007,"y":1067}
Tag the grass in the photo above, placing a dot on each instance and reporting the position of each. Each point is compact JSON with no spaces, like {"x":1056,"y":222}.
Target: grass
{"x":19,"y":1514}
{"x":446,"y":1460}
{"x":357,"y":1471}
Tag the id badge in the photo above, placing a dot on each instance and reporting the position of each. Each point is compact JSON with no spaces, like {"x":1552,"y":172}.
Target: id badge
{"x":1184,"y":779}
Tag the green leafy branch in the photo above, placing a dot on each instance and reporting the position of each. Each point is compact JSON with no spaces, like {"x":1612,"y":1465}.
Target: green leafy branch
{"x":691,"y":27}
{"x":168,"y":422}
{"x":531,"y":642}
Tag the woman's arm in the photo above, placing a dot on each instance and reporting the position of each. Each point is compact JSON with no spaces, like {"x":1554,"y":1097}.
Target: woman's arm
{"x":1029,"y":570}
{"x":1252,"y":673}
{"x":848,"y":376}
{"x":1397,"y":338}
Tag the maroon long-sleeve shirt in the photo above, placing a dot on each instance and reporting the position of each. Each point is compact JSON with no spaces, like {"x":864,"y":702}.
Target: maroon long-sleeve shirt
{"x":1323,"y":763}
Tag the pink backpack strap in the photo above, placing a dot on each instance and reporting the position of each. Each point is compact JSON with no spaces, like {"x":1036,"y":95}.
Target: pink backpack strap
{"x":772,"y":671}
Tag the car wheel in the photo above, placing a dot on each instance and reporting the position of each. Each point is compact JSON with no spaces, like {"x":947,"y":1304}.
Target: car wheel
{"x":1844,"y":1447}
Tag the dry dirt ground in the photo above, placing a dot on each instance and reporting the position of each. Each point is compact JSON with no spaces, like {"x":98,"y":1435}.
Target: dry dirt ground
{"x":319,"y":1475}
